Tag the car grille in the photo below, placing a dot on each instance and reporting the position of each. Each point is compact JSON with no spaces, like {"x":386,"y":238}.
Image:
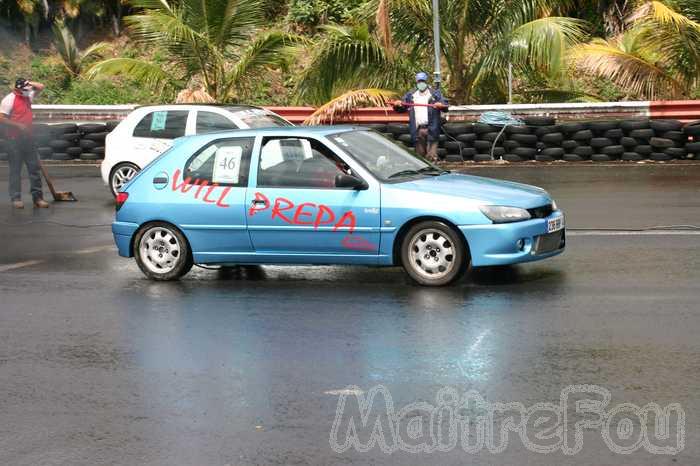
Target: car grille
{"x":541,"y":212}
{"x":549,"y":242}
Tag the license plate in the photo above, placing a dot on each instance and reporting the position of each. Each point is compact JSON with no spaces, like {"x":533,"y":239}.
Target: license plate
{"x":555,"y":224}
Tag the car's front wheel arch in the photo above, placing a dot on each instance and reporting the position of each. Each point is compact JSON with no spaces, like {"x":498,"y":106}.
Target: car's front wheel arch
{"x":406,"y":227}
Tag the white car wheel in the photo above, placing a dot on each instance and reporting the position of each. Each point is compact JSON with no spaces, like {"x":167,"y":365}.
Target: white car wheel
{"x":122,"y":174}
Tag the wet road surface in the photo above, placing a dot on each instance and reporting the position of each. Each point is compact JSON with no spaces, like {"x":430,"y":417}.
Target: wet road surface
{"x":100,"y":366}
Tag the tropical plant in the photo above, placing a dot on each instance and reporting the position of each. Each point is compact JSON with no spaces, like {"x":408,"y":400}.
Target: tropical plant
{"x":74,"y":59}
{"x":657,"y":56}
{"x":478,"y":41}
{"x":216,"y":43}
{"x":347,"y":58}
{"x":342,"y":106}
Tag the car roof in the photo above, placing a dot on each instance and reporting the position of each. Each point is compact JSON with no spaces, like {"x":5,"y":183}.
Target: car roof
{"x":277,"y":131}
{"x":230,"y":107}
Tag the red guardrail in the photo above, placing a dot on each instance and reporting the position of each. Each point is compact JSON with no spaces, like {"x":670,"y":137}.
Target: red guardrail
{"x":360,"y":116}
{"x":684,"y":110}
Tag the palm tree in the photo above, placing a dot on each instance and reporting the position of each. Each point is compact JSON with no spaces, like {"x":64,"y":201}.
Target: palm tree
{"x":657,"y":56}
{"x":29,"y":9}
{"x":73,"y":58}
{"x":216,"y":43}
{"x":478,"y":40}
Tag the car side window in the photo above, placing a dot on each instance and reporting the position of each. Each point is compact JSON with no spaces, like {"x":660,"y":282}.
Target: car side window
{"x":225,"y":162}
{"x":298,"y":163}
{"x":210,"y":122}
{"x":162,"y":124}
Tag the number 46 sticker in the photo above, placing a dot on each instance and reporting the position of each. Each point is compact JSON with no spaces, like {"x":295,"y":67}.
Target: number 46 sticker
{"x":227,"y":165}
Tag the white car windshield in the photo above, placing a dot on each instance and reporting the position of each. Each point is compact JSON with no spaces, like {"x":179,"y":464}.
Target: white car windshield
{"x":259,"y":118}
{"x":385,"y":159}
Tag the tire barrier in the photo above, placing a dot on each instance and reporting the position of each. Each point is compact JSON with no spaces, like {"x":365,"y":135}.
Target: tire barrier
{"x":543,"y":139}
{"x":540,"y":139}
{"x":68,"y":141}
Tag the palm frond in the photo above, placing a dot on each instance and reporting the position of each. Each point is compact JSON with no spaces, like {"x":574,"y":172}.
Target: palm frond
{"x":65,"y":44}
{"x":238,"y":19}
{"x":348,"y":57}
{"x":271,"y":49}
{"x":194,"y":96}
{"x":147,"y":73}
{"x":544,"y":42}
{"x":635,"y":73}
{"x":342,"y":106}
{"x":663,"y":14}
{"x":95,"y":50}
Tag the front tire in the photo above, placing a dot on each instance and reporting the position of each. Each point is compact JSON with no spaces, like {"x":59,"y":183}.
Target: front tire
{"x":120,"y":175}
{"x":434,"y":254}
{"x":162,"y":252}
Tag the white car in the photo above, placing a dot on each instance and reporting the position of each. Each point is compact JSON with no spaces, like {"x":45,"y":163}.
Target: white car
{"x":149,"y":131}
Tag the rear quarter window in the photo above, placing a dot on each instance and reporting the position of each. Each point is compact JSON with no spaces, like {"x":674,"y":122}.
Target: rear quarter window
{"x":162,"y":124}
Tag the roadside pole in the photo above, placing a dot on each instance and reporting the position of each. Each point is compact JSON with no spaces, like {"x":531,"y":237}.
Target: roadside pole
{"x":436,"y":42}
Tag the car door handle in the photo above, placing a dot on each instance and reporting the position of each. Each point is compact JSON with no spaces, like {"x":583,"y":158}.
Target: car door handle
{"x":258,"y":202}
{"x":160,"y":180}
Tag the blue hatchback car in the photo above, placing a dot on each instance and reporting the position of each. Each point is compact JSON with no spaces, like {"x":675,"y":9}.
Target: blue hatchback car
{"x":325,"y":195}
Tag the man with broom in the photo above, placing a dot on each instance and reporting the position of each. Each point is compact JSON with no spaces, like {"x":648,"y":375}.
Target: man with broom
{"x":424,"y":105}
{"x":16,"y":118}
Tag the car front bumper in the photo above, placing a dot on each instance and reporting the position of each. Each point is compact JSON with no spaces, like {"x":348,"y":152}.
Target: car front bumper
{"x":123,"y":233}
{"x":513,"y":243}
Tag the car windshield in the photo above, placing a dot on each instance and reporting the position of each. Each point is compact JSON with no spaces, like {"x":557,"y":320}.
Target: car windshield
{"x":385,"y":159}
{"x":259,"y":118}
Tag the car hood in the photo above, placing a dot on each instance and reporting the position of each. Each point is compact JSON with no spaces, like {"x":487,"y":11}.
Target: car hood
{"x":485,"y":191}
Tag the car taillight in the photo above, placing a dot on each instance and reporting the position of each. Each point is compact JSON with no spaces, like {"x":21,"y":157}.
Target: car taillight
{"x":121,"y":199}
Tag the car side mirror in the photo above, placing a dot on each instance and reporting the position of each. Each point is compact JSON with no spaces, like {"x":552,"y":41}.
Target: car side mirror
{"x":343,"y":180}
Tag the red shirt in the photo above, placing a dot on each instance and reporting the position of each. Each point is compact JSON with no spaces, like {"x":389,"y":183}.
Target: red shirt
{"x":19,"y":109}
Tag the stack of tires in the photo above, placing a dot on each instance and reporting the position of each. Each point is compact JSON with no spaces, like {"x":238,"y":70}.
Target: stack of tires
{"x":92,"y":141}
{"x":70,"y":141}
{"x":668,"y":141}
{"x":520,"y":144}
{"x":605,"y":140}
{"x":459,"y":143}
{"x":549,"y":138}
{"x":636,"y":138}
{"x":691,"y":131}
{"x":488,"y":143}
{"x":577,"y":142}
{"x":64,"y":143}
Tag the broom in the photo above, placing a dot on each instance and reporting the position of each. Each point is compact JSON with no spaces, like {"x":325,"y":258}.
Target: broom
{"x":58,"y":196}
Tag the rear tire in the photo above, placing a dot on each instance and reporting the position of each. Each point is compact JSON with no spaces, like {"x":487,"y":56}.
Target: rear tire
{"x":120,"y":175}
{"x":162,"y":252}
{"x":434,"y":254}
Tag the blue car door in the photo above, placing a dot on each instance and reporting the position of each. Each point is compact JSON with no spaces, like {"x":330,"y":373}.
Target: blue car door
{"x":295,"y":211}
{"x":206,"y":196}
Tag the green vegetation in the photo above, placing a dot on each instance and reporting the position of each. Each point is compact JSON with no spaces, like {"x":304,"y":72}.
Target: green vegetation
{"x":345,"y":53}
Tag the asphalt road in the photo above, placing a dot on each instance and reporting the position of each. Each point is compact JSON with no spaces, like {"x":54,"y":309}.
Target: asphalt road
{"x":99,"y":366}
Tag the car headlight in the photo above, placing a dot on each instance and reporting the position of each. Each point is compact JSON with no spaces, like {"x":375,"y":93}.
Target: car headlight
{"x":504,"y":214}
{"x":554,"y":205}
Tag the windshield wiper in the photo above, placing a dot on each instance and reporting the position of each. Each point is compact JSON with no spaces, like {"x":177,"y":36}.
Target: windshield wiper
{"x":404,"y":173}
{"x":432,"y":171}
